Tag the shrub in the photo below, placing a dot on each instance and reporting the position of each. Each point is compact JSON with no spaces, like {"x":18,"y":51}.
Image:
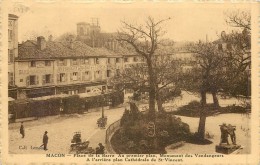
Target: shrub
{"x":193,"y":109}
{"x":168,"y":129}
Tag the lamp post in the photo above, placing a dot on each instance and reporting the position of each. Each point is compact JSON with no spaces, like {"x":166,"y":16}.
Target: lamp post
{"x":102,"y":94}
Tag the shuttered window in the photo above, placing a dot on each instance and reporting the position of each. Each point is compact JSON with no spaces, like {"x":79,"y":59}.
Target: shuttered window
{"x":32,"y":80}
{"x":47,"y":79}
{"x":10,"y":56}
{"x":61,"y":77}
{"x":10,"y":78}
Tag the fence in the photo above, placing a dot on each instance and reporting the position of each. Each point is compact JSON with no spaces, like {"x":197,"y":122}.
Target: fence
{"x":109,"y":133}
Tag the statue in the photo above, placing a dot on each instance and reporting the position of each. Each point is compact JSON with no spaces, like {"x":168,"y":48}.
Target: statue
{"x":224,"y":146}
{"x":224,"y":134}
{"x":231,"y":132}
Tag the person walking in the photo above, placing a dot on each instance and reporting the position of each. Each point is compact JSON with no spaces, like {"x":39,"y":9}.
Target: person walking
{"x":22,"y":130}
{"x":100,"y":149}
{"x":45,"y":140}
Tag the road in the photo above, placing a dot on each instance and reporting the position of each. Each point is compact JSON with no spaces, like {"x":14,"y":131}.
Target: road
{"x":60,"y":131}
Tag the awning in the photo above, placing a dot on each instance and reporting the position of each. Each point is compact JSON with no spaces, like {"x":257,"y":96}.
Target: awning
{"x":10,"y":99}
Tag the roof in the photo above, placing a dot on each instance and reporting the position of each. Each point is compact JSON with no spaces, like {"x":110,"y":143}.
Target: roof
{"x":77,"y":49}
{"x":29,"y":50}
{"x":83,"y":23}
{"x":13,"y":16}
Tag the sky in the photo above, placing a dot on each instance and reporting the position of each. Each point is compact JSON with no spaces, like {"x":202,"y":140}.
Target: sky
{"x":187,"y":23}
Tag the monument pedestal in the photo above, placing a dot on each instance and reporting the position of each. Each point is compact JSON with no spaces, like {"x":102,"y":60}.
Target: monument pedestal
{"x":227,"y":149}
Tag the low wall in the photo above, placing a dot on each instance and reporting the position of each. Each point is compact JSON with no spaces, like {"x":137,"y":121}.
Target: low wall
{"x":109,"y":133}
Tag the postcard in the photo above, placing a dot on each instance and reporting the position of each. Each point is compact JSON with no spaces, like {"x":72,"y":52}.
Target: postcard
{"x":129,"y":82}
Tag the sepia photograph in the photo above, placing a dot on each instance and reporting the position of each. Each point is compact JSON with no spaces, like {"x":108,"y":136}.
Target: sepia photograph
{"x":166,"y":82}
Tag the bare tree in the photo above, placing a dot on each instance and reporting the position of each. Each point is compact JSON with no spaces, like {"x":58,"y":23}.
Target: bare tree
{"x":241,"y":19}
{"x":144,"y":39}
{"x":206,"y":76}
{"x":167,"y":70}
{"x":239,"y":62}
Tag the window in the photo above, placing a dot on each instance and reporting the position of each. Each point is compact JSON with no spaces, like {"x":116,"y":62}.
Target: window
{"x":10,"y":56}
{"x":21,"y":80}
{"x":135,"y":59}
{"x":117,"y":72}
{"x":10,"y":35}
{"x":33,"y":64}
{"x":117,"y":60}
{"x":62,"y":62}
{"x":86,"y":75}
{"x":47,"y":63}
{"x":10,"y":78}
{"x":10,"y":23}
{"x":98,"y":74}
{"x":81,"y":31}
{"x":125,"y":59}
{"x":32,"y":80}
{"x":61,"y":77}
{"x":47,"y":78}
{"x":108,"y":60}
{"x":96,"y":60}
{"x":84,"y":61}
{"x":75,"y":76}
{"x":74,"y":62}
{"x":108,"y":73}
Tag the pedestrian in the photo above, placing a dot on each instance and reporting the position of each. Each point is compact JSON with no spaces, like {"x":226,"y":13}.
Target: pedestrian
{"x":97,"y":150}
{"x":45,"y":140}
{"x":101,"y":148}
{"x":22,"y":130}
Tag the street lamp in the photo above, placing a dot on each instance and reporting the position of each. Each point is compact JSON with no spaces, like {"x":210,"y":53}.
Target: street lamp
{"x":103,"y":99}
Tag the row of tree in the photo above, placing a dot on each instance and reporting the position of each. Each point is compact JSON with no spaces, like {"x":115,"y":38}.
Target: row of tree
{"x":220,"y":66}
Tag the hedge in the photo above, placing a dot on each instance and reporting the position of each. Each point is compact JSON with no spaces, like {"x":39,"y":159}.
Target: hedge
{"x":66,"y":105}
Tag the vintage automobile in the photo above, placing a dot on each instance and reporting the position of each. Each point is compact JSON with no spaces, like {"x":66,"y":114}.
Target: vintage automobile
{"x":79,"y":147}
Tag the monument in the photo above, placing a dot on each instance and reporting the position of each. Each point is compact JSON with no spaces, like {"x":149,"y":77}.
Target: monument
{"x":224,"y":146}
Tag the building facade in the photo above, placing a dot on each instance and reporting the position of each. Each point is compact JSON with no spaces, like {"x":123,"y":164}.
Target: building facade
{"x":49,"y":68}
{"x":12,"y":50}
{"x":45,"y":67}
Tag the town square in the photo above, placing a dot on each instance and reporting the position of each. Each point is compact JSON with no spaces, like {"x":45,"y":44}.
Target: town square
{"x":91,"y":81}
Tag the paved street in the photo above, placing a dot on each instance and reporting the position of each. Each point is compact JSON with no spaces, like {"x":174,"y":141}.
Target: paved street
{"x":60,"y":131}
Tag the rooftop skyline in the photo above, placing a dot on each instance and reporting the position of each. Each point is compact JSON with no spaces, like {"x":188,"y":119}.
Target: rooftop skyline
{"x":185,"y":24}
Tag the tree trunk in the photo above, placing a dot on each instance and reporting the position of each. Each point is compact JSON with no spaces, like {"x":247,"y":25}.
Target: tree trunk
{"x":152,"y":89}
{"x":215,"y":99}
{"x":202,"y":122}
{"x":152,"y":98}
{"x":159,"y":100}
{"x":159,"y":103}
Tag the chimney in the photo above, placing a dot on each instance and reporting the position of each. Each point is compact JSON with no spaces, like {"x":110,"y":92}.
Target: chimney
{"x":41,"y":43}
{"x":50,"y":38}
